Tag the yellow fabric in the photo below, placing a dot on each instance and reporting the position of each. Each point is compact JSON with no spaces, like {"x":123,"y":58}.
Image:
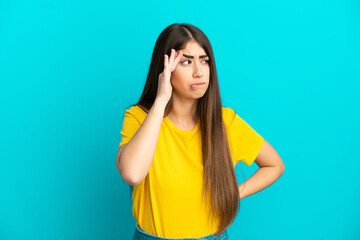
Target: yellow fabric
{"x":167,"y":203}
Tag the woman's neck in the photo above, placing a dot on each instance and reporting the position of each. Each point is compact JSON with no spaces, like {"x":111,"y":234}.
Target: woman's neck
{"x":184,"y":113}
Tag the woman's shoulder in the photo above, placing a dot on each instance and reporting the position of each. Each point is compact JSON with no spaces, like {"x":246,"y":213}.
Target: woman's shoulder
{"x":227,"y":110}
{"x":231,"y":117}
{"x":228,"y":113}
{"x":137,"y":111}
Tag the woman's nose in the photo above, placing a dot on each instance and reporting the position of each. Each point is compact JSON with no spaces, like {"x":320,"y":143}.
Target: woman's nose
{"x":197,"y":70}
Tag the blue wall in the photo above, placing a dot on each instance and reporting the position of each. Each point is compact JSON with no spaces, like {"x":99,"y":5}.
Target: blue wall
{"x":69,"y":69}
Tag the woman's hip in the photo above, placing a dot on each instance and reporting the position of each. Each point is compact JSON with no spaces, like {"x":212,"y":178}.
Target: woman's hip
{"x":140,"y":234}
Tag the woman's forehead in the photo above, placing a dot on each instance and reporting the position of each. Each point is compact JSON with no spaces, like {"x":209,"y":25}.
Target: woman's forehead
{"x":193,"y":48}
{"x":193,"y":52}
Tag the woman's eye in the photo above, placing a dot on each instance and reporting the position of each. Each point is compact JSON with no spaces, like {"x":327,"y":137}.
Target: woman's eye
{"x":185,"y":61}
{"x":206,"y":61}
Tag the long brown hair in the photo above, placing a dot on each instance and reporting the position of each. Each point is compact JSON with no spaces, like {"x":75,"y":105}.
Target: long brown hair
{"x":220,"y":183}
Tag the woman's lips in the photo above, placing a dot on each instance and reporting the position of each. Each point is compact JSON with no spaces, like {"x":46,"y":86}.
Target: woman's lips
{"x":195,"y":85}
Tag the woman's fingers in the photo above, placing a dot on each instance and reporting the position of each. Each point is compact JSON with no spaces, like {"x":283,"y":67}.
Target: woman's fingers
{"x":172,"y":57}
{"x":165,"y":61}
{"x":177,"y":59}
{"x":170,"y":63}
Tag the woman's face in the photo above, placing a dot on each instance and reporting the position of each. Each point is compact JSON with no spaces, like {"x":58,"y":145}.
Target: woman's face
{"x":192,"y":68}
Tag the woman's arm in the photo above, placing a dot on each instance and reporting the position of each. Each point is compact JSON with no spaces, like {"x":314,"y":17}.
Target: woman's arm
{"x":134,"y":158}
{"x":271,"y":168}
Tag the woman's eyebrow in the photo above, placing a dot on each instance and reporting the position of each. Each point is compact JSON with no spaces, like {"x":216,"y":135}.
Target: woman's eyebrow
{"x":190,"y":56}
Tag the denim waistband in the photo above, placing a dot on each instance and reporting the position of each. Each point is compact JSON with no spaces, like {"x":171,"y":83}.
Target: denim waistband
{"x":140,"y":234}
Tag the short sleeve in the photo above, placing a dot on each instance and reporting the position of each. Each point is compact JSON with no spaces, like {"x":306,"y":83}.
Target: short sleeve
{"x":247,"y":142}
{"x":130,"y":126}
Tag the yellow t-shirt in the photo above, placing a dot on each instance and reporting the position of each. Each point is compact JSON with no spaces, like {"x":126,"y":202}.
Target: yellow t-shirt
{"x":168,"y":203}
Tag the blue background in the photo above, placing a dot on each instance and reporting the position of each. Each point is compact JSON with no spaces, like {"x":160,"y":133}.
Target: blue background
{"x":69,"y":69}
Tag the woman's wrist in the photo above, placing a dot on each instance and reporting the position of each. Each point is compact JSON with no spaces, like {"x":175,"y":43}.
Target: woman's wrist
{"x":160,"y":102}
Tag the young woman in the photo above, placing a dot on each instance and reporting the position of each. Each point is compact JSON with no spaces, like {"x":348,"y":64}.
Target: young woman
{"x":179,"y":145}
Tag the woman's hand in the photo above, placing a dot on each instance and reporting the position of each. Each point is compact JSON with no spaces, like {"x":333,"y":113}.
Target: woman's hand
{"x":164,"y":90}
